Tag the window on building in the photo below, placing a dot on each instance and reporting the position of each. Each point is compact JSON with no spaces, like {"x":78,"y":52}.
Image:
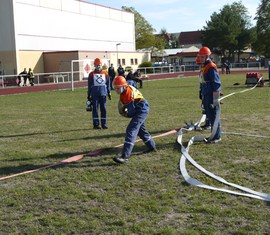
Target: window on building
{"x":136,"y":61}
{"x":119,"y":62}
{"x":123,"y":62}
{"x":132,"y":61}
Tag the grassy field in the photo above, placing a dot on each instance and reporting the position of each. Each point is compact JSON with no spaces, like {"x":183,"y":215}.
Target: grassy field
{"x":148,"y":195}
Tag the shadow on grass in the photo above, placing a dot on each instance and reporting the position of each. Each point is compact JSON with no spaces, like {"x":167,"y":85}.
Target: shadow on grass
{"x":106,"y":135}
{"x":84,"y":138}
{"x":41,"y":133}
{"x":5,"y":171}
{"x":97,"y":159}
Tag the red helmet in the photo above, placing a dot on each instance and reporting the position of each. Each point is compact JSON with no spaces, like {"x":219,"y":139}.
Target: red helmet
{"x":119,"y":81}
{"x":97,"y":61}
{"x":204,"y":51}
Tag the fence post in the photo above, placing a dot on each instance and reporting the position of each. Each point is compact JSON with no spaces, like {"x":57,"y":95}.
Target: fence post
{"x":3,"y":83}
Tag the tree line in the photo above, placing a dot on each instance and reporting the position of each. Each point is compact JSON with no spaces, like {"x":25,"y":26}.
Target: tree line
{"x":228,"y":31}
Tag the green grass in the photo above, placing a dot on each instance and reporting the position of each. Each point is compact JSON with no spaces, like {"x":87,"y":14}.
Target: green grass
{"x":146,"y":196}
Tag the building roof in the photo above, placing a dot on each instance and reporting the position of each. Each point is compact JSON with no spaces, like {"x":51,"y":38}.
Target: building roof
{"x":174,"y":51}
{"x":189,"y":52}
{"x":191,"y":37}
{"x":181,"y":51}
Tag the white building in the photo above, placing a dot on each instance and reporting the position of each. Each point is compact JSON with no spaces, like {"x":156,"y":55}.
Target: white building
{"x":31,"y":28}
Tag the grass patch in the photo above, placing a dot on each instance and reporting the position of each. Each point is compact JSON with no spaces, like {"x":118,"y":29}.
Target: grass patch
{"x":146,"y":196}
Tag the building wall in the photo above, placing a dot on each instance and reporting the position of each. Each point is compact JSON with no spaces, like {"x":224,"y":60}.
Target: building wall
{"x":8,"y":55}
{"x":31,"y":59}
{"x":54,"y":25}
{"x":59,"y":25}
{"x":61,"y":61}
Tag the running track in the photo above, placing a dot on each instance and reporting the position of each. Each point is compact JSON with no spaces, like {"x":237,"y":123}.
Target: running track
{"x":60,"y":86}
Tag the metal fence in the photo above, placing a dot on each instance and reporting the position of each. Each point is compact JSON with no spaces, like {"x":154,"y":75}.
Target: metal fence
{"x":39,"y":79}
{"x":195,"y":67}
{"x":69,"y":77}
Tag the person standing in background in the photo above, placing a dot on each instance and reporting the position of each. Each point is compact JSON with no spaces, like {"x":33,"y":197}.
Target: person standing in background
{"x":131,"y":78}
{"x":22,"y":78}
{"x":98,"y":90}
{"x":121,"y":71}
{"x":30,"y":75}
{"x":112,"y":74}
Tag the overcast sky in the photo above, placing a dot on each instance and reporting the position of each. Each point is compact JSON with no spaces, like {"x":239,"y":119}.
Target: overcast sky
{"x":178,"y":15}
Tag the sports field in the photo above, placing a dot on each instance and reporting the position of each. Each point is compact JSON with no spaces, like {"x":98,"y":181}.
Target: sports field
{"x":148,"y":195}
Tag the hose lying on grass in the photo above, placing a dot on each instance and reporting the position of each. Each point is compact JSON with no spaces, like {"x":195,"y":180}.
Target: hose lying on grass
{"x":185,"y":155}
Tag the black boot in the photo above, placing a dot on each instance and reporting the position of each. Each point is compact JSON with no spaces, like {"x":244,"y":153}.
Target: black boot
{"x":122,"y":159}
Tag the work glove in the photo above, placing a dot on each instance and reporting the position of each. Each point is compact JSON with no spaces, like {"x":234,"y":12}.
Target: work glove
{"x":216,"y":96}
{"x":122,"y":109}
{"x":109,"y":96}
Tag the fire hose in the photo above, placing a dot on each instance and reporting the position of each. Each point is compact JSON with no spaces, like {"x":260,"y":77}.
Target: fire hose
{"x":79,"y":157}
{"x":182,"y":163}
{"x":185,"y":156}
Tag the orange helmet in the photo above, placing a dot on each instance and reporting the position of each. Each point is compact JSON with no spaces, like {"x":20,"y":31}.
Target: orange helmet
{"x":198,"y":60}
{"x":204,"y":51}
{"x":119,"y":81}
{"x":97,"y":61}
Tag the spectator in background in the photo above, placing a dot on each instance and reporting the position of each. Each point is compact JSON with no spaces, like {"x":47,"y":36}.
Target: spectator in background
{"x":30,"y":75}
{"x":227,"y":67}
{"x":22,"y":78}
{"x":121,"y":71}
{"x":138,"y":78}
{"x":112,"y":74}
{"x":222,"y":68}
{"x":131,"y":79}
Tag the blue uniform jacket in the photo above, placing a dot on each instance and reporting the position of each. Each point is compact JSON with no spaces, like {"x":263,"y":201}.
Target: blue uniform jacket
{"x":211,"y":78}
{"x":133,"y":101}
{"x":98,"y":84}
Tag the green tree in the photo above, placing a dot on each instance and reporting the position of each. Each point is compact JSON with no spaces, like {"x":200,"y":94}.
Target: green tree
{"x":262,"y":44}
{"x":170,"y":39}
{"x":165,"y":37}
{"x":144,"y":32}
{"x":229,"y":30}
{"x":174,"y":41}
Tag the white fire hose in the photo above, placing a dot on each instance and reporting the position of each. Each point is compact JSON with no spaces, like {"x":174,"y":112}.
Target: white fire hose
{"x":185,"y":156}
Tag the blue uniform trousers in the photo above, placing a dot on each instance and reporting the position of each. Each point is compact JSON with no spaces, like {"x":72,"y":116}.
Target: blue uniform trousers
{"x":135,"y":128}
{"x":211,"y":113}
{"x":203,"y":90}
{"x":99,"y":101}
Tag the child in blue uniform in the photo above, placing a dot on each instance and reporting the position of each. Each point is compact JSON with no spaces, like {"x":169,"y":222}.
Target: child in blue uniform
{"x":207,"y":124}
{"x":211,"y":94}
{"x":98,"y":89}
{"x":132,"y":105}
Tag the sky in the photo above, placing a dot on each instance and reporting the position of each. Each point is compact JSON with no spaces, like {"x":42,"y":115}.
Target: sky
{"x":178,"y":15}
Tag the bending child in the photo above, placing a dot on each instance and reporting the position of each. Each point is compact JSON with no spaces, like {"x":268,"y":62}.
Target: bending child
{"x":132,"y":105}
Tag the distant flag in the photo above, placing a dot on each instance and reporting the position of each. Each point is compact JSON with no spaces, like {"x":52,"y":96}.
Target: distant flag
{"x":86,"y":68}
